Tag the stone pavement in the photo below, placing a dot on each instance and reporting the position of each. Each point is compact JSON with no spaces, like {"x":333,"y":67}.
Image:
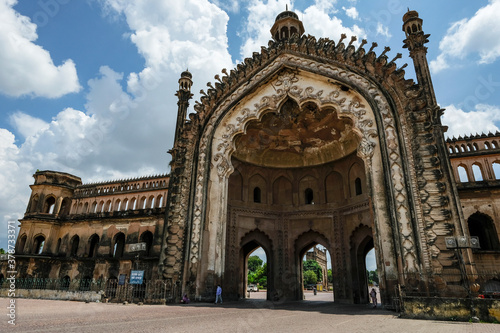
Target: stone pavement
{"x":254,"y":315}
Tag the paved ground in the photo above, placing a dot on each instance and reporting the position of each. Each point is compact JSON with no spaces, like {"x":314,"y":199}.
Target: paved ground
{"x":254,"y":315}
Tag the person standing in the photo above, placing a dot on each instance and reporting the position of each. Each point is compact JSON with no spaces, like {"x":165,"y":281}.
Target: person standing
{"x":218,"y":294}
{"x":373,"y":295}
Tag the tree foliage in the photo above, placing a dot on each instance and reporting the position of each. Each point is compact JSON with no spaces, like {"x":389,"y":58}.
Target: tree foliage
{"x":330,"y":276}
{"x":372,"y":277}
{"x":310,"y":278}
{"x":254,"y":263}
{"x":312,"y":265}
{"x":257,"y":273}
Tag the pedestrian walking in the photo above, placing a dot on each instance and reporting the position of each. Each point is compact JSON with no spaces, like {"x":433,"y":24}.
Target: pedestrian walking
{"x":373,"y":295}
{"x":218,"y":294}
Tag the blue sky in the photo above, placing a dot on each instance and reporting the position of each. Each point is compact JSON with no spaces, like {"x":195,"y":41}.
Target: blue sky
{"x":87,"y":87}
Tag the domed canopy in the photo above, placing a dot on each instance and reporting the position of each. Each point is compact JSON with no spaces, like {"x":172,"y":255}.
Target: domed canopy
{"x":285,"y":14}
{"x":186,"y":74}
{"x":287,"y":24}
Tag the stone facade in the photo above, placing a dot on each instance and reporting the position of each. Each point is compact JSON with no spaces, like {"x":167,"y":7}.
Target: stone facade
{"x":320,"y":257}
{"x":310,"y":141}
{"x":84,"y":231}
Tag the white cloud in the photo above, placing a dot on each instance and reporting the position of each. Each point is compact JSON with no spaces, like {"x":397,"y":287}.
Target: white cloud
{"x":26,"y":124}
{"x":383,"y":30}
{"x":318,"y":20}
{"x":479,"y":34}
{"x":481,"y":120}
{"x":26,"y":68}
{"x":351,"y":12}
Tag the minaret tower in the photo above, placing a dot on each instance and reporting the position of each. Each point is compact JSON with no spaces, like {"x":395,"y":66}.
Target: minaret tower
{"x":184,"y":94}
{"x":415,"y":40}
{"x":286,"y":24}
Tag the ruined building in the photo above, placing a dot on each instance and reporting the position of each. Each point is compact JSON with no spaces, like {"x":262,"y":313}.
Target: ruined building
{"x":310,"y":141}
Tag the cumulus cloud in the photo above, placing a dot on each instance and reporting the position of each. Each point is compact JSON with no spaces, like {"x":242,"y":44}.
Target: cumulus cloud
{"x":461,"y":123}
{"x":318,"y":20}
{"x":476,"y":35}
{"x":351,"y":12}
{"x":26,"y":68}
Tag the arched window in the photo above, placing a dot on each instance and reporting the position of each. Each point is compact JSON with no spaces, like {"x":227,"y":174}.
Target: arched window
{"x":159,"y":201}
{"x":143,"y":202}
{"x":118,"y":205}
{"x":309,"y":196}
{"x":75,"y":243}
{"x":482,"y":226}
{"x":478,"y":174}
{"x":451,"y":150}
{"x":496,"y":169}
{"x":476,"y":148}
{"x":487,"y":145}
{"x":133,"y":204}
{"x":469,"y":147}
{"x":151,"y":202}
{"x":21,"y":244}
{"x":65,"y":282}
{"x":94,"y":207}
{"x":65,"y":207}
{"x":93,"y":246}
{"x":49,"y":206}
{"x":119,"y":245}
{"x":257,"y":195}
{"x":108,"y":206}
{"x":357,"y":186}
{"x":85,"y":208}
{"x":147,"y":237}
{"x":38,"y":244}
{"x":462,"y":148}
{"x":494,"y":144}
{"x":462,"y":174}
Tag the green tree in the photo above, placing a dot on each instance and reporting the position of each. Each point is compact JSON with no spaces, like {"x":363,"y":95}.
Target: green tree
{"x":372,"y":277}
{"x":330,"y":276}
{"x":254,"y":263}
{"x":2,"y":251}
{"x":312,"y":265}
{"x":310,"y":278}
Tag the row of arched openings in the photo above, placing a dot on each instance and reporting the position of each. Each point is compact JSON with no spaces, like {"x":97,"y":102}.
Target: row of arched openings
{"x":117,"y":250}
{"x":477,"y":172}
{"x":49,"y":205}
{"x":308,"y":193}
{"x":119,"y":205}
{"x":463,"y":148}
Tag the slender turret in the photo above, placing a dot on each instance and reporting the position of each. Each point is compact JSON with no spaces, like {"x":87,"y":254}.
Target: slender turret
{"x":184,"y":94}
{"x":286,"y":24}
{"x":415,"y":40}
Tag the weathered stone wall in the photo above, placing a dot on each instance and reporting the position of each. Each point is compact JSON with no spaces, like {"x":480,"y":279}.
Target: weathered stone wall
{"x":87,"y":296}
{"x":461,"y":309}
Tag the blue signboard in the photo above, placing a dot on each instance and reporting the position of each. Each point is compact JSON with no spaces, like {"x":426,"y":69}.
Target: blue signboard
{"x":121,"y":279}
{"x":136,"y":277}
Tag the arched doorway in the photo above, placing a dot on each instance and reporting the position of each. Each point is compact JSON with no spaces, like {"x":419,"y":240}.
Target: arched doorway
{"x":316,"y":268}
{"x":314,"y":155}
{"x":361,"y":243}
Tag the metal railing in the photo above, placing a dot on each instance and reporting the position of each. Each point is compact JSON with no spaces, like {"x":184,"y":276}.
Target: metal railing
{"x":153,"y":291}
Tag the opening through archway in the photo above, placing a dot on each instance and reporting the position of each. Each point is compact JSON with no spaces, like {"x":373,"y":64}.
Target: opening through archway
{"x":317,"y":276}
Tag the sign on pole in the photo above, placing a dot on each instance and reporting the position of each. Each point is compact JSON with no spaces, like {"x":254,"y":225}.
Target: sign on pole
{"x":136,"y":277}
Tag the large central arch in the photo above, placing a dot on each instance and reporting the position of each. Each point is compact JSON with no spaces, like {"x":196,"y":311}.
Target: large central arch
{"x":352,"y":96}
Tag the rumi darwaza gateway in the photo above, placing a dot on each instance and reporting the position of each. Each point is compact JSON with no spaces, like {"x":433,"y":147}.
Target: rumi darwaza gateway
{"x":308,"y":142}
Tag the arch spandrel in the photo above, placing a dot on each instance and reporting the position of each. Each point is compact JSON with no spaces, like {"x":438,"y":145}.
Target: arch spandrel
{"x":374,"y":124}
